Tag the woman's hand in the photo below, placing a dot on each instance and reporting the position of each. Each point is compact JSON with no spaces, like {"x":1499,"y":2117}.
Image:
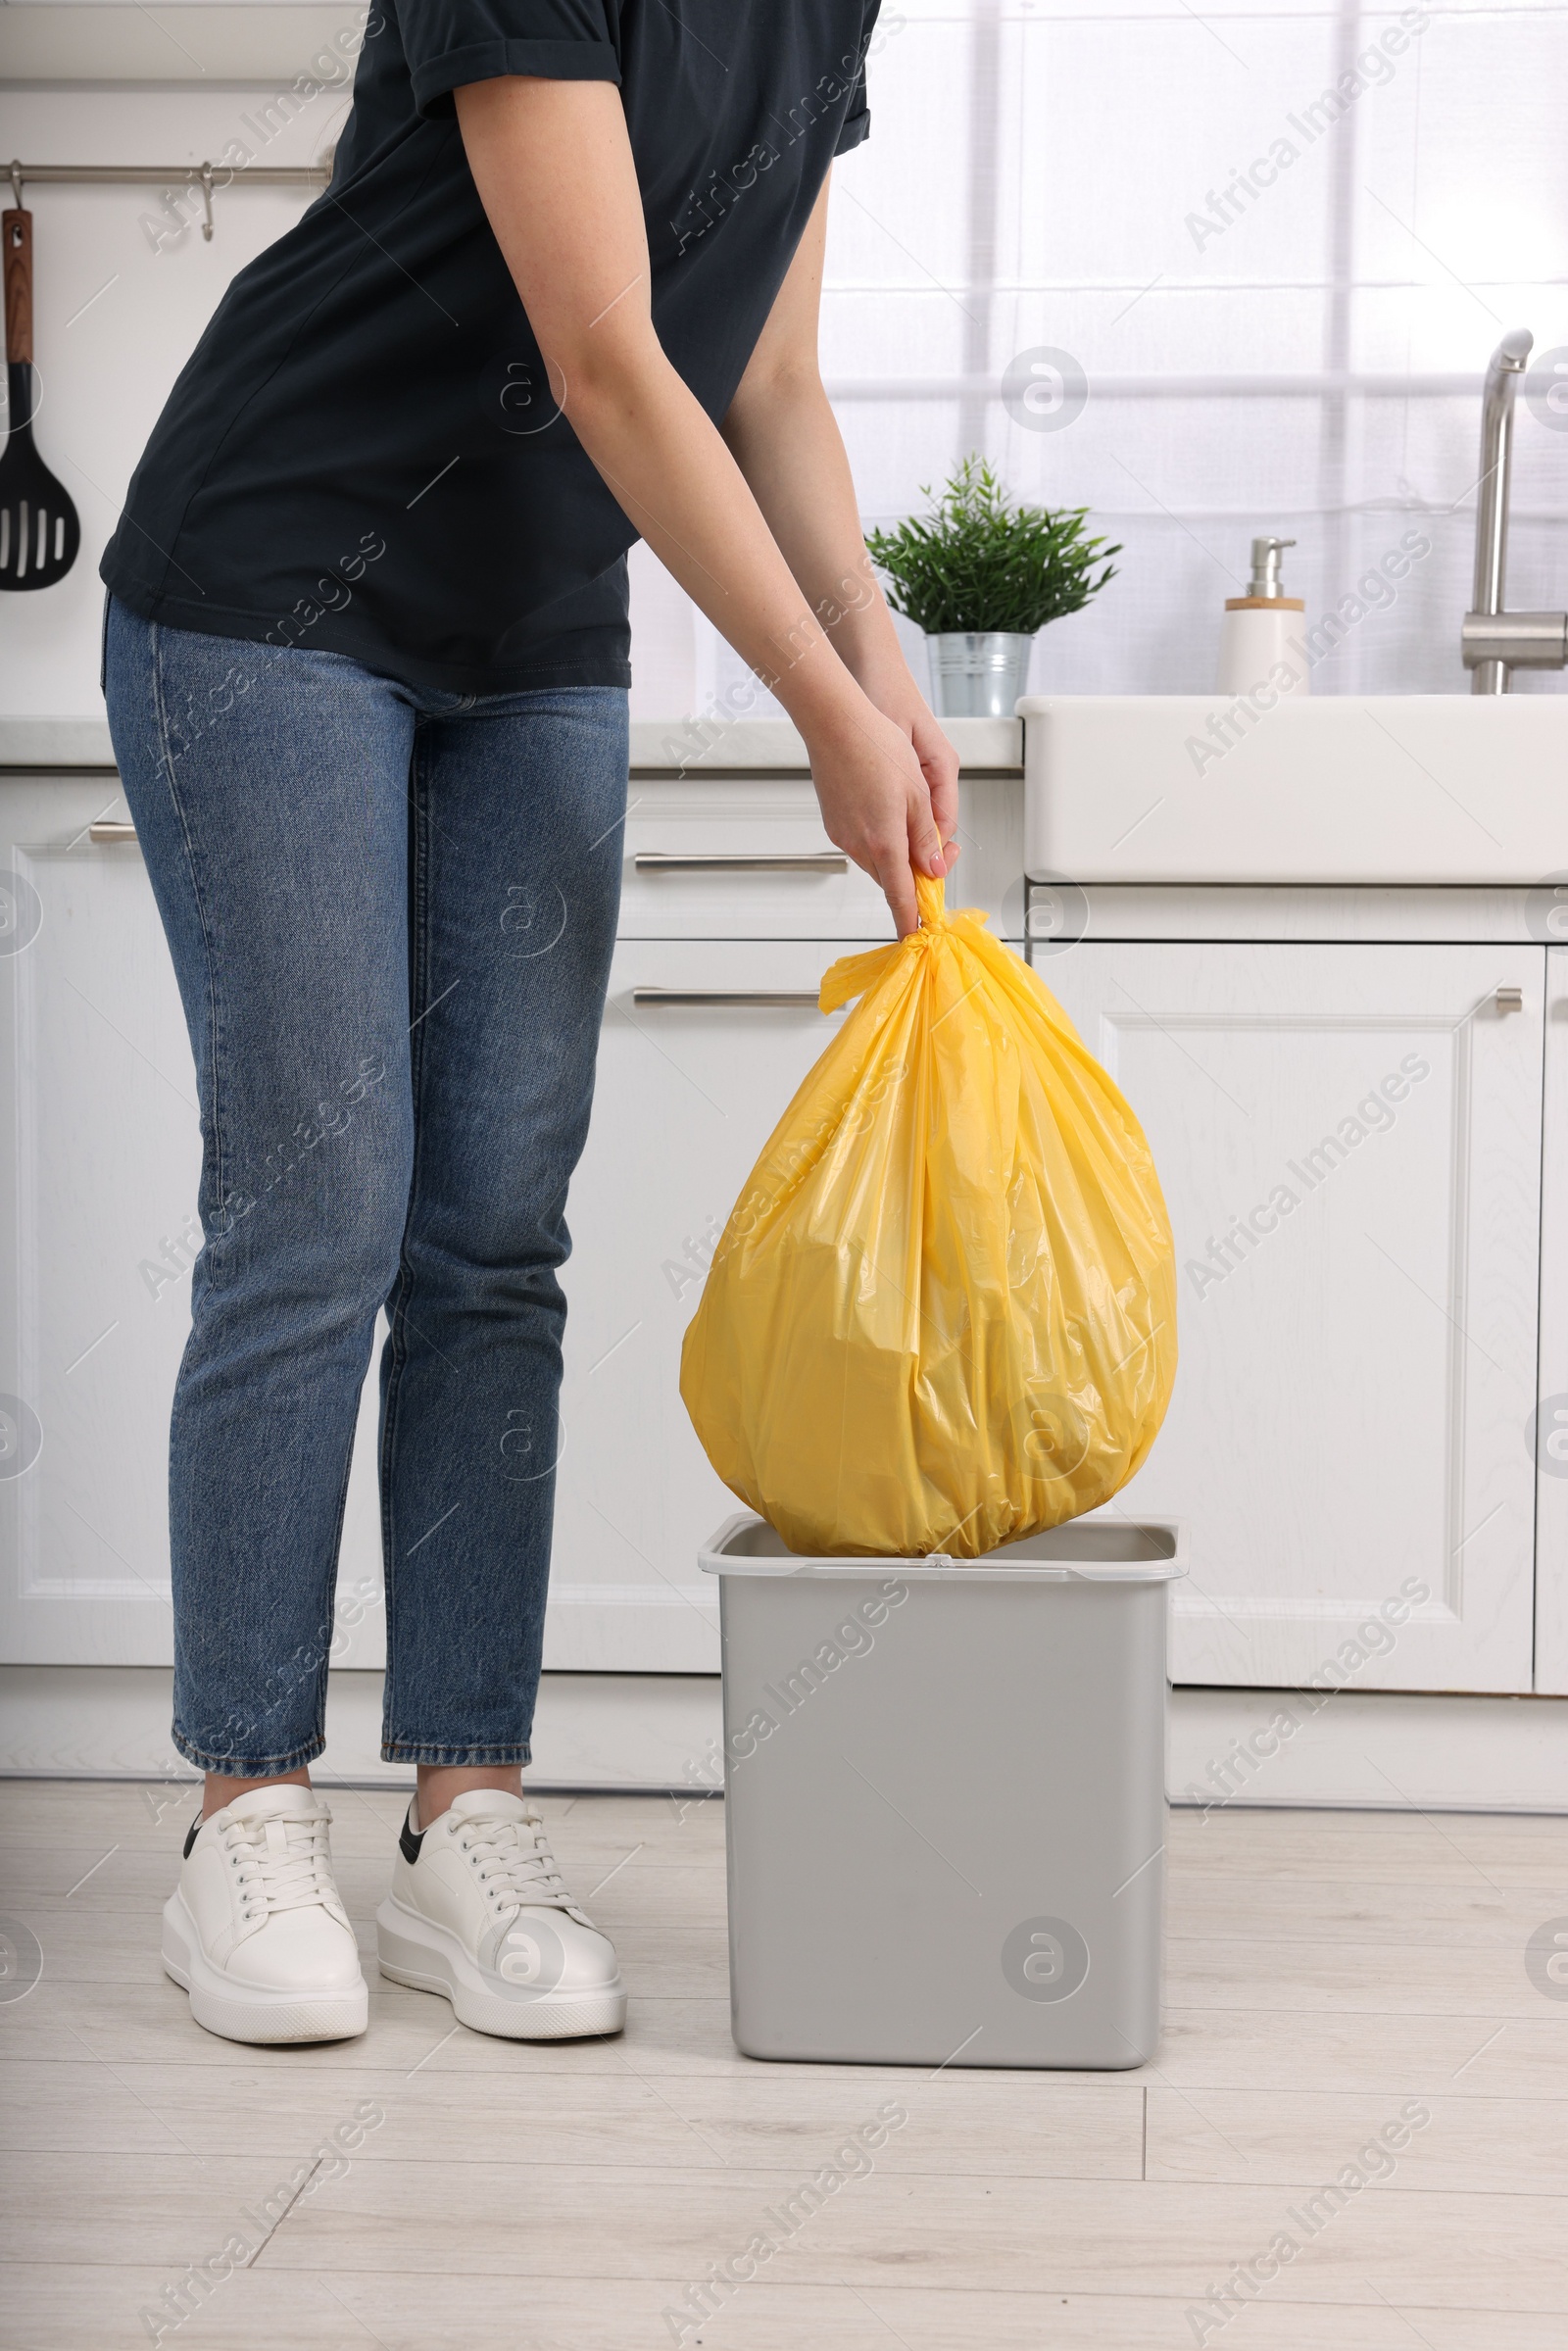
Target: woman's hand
{"x":887,"y":779}
{"x":878,"y":802}
{"x":896,"y":696}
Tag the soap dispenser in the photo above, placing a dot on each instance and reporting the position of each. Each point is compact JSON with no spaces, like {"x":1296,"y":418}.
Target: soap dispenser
{"x":1260,"y":636}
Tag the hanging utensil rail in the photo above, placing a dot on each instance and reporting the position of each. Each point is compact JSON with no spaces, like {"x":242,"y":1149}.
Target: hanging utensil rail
{"x":207,"y":176}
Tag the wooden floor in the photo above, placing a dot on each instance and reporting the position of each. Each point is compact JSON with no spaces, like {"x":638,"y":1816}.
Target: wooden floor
{"x":1324,"y":1969}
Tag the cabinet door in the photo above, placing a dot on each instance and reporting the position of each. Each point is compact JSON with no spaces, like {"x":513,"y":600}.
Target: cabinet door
{"x":686,"y":1097}
{"x":715,"y":857}
{"x":100,"y":1158}
{"x":1350,"y":1143}
{"x":1548,"y":1422}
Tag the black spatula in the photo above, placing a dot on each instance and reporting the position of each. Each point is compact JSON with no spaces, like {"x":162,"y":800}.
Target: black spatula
{"x":39,"y":534}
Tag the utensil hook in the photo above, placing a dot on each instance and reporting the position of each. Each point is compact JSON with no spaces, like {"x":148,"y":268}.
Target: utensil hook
{"x":206,"y":203}
{"x":16,"y":182}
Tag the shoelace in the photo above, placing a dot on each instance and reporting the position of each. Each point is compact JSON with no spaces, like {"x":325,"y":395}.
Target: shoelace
{"x":513,"y":1861}
{"x":282,"y":1864}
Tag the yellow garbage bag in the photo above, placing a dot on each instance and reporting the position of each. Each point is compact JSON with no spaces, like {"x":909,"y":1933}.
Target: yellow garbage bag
{"x":942,"y":1316}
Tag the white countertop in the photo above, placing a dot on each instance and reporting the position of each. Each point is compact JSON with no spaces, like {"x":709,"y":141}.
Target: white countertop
{"x":35,"y":743}
{"x":660,"y":746}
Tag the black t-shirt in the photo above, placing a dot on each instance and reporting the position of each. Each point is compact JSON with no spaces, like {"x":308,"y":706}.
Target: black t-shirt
{"x":363,"y":455}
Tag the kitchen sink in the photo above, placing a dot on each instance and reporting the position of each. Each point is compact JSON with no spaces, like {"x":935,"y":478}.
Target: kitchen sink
{"x":1418,"y":788}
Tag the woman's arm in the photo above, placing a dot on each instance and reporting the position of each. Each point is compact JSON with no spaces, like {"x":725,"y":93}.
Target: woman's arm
{"x":786,"y":441}
{"x":554,"y":168}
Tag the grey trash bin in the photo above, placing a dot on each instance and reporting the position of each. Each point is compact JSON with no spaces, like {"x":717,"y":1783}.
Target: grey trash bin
{"x":945,"y":1788}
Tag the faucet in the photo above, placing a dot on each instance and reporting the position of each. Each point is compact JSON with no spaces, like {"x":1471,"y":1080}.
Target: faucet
{"x":1493,"y":642}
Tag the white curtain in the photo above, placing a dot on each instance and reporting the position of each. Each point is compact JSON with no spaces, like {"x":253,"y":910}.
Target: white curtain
{"x":1208,"y":273}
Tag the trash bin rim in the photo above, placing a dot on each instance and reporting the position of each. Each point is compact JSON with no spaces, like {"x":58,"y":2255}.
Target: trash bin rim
{"x":716,"y":1558}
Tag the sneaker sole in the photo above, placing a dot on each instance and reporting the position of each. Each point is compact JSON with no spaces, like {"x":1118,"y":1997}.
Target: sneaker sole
{"x":251,"y":2012}
{"x":416,"y":1951}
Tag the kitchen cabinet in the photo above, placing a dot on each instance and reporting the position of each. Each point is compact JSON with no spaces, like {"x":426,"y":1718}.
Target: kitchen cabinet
{"x":1350,"y":1143}
{"x":1358,"y":1367}
{"x":99,"y":1171}
{"x":687,"y":1095}
{"x":99,"y":1164}
{"x":731,"y":891}
{"x":1548,"y":1432}
{"x":100,"y":1154}
{"x":710,"y":856}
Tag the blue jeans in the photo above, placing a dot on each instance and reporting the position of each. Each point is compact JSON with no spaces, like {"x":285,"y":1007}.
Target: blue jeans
{"x":391,"y":915}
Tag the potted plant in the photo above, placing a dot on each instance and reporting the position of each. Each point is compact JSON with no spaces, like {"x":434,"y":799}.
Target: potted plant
{"x":982,"y":577}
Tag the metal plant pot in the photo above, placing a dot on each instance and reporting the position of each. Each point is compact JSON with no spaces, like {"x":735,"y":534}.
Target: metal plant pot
{"x":978,"y":674}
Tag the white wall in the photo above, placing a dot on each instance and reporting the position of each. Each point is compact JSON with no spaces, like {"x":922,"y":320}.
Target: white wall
{"x":1034,"y":178}
{"x":115,"y":321}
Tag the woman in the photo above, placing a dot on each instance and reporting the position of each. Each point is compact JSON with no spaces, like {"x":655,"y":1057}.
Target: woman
{"x":366,"y":666}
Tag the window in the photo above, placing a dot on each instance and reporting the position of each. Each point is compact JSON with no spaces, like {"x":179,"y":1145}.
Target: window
{"x":1210,"y":274}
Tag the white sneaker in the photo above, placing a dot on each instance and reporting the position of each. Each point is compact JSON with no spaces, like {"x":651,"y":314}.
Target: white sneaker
{"x":478,"y":1913}
{"x":255,"y":1931}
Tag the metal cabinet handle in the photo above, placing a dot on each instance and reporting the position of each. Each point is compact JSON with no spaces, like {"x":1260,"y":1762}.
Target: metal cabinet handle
{"x":770,"y":1000}
{"x":723,"y":861}
{"x":110,"y":829}
{"x":1510,"y":999}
